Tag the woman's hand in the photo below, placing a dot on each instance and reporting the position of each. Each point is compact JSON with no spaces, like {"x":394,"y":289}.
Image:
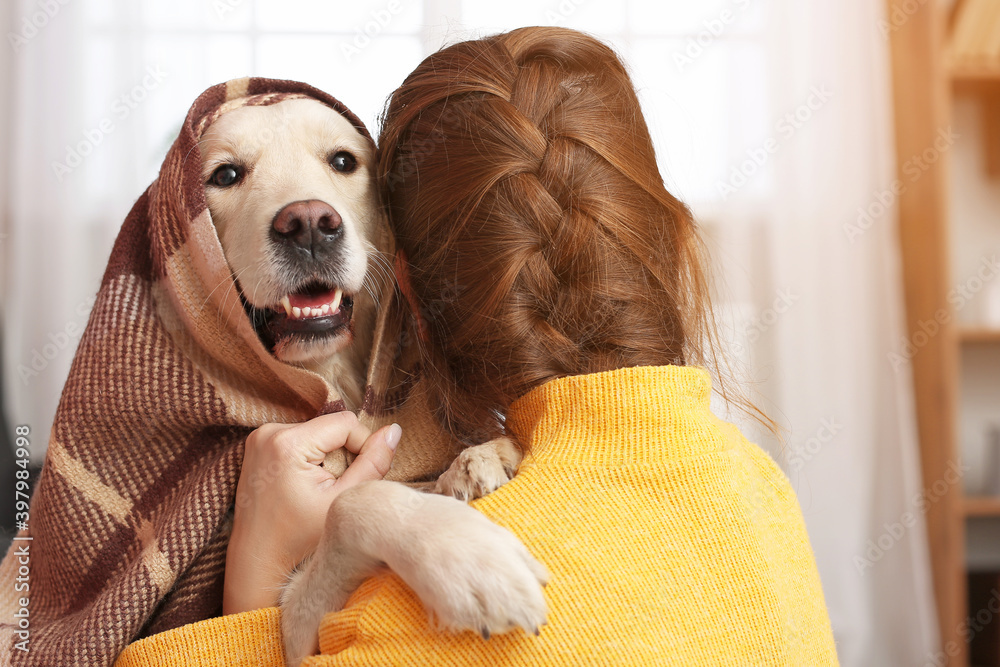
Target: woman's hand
{"x":283,"y":496}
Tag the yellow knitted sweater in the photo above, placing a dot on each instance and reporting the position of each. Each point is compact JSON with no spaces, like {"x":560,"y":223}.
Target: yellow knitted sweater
{"x":669,"y":538}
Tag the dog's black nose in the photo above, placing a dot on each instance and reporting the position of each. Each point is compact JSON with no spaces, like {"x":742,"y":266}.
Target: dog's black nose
{"x":310,"y":224}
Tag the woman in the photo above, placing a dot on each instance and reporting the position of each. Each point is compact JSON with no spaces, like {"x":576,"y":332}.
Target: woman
{"x":561,"y":295}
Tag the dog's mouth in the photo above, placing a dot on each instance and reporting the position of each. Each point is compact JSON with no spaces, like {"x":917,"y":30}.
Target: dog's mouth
{"x":312,"y":312}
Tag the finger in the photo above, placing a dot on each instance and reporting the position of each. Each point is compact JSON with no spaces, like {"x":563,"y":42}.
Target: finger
{"x":374,"y":459}
{"x":265,"y":432}
{"x":321,"y":435}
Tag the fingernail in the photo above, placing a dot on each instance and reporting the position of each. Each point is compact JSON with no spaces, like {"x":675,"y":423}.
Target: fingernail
{"x":392,"y":436}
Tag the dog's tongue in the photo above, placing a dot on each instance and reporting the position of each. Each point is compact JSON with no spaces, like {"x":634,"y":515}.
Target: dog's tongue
{"x":312,"y":299}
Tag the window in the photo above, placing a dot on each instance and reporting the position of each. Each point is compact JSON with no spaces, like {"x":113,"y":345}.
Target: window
{"x":698,"y":67}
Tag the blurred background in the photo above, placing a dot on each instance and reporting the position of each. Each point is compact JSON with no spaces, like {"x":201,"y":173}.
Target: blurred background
{"x":842,"y":158}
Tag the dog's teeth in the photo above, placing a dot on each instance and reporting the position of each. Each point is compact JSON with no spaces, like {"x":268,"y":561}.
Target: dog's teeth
{"x":296,"y":312}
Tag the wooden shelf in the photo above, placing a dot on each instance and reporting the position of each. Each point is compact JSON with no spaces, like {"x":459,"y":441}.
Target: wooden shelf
{"x":982,"y":506}
{"x":933,"y":66}
{"x":922,"y":92}
{"x":970,"y":73}
{"x":979,"y":334}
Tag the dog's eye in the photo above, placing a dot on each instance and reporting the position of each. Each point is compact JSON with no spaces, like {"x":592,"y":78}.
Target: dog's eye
{"x":226,"y":175}
{"x":344,"y":161}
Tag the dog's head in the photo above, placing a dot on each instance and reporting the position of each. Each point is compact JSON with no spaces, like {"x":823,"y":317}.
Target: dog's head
{"x":289,"y":187}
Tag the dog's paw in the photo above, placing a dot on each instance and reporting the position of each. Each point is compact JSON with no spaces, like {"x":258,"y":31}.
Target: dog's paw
{"x":480,"y":470}
{"x":472,"y":574}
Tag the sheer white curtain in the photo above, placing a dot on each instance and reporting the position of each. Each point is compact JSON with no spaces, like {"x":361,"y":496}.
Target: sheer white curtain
{"x":54,"y":254}
{"x":772,"y":118}
{"x":831,"y":352}
{"x":99,"y":90}
{"x":815,"y":299}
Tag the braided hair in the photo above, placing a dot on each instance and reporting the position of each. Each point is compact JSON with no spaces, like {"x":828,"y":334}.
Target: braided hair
{"x":521,"y":184}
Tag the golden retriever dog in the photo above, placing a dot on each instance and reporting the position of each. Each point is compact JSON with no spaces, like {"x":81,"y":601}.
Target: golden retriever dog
{"x":291,"y":192}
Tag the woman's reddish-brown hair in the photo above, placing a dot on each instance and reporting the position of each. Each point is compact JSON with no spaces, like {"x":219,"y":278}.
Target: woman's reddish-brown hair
{"x":522,"y":186}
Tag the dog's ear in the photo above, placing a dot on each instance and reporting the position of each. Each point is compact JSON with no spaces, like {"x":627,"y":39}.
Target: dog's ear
{"x":402,"y":267}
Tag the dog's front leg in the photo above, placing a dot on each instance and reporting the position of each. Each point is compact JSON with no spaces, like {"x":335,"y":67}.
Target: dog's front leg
{"x":322,"y":584}
{"x":469,"y":573}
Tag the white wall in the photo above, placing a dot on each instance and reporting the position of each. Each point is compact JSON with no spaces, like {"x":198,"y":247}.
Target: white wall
{"x":6,"y":54}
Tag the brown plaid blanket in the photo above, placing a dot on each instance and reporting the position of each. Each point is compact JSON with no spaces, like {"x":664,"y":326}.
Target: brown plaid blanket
{"x":130,"y":520}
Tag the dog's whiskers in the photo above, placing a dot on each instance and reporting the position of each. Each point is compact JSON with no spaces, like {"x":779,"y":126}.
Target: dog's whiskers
{"x":232,"y":308}
{"x":382,"y":270}
{"x":230,"y":280}
{"x":231,"y":286}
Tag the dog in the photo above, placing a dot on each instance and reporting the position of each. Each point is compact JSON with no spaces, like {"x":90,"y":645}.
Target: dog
{"x":290,"y":188}
{"x":290,"y":191}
